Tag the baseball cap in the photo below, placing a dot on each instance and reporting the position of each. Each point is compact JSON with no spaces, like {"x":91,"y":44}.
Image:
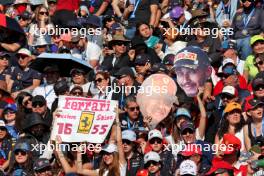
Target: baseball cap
{"x":76,"y":71}
{"x":168,"y":59}
{"x":142,"y":59}
{"x":38,"y":98}
{"x":176,"y":12}
{"x":231,"y":44}
{"x":158,"y":67}
{"x":186,"y":125}
{"x":218,"y":163}
{"x":25,"y":15}
{"x":228,"y":61}
{"x":191,"y":149}
{"x":258,"y":80}
{"x":93,"y":20}
{"x":188,"y":167}
{"x":61,"y":87}
{"x":256,"y":38}
{"x":151,"y":156}
{"x":3,"y":53}
{"x":125,"y":71}
{"x":110,"y":148}
{"x":2,"y":123}
{"x":191,"y":57}
{"x":232,"y":143}
{"x":116,"y":26}
{"x":252,"y":104}
{"x":230,"y":90}
{"x":183,"y":112}
{"x":22,"y":146}
{"x":129,"y":135}
{"x":232,"y":106}
{"x":10,"y":106}
{"x":154,"y":134}
{"x":24,"y":51}
{"x":41,"y":163}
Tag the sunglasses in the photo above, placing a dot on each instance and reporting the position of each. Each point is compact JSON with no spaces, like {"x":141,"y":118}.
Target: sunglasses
{"x":120,"y":43}
{"x":140,"y":65}
{"x":120,"y":77}
{"x":99,"y":80}
{"x":44,"y":13}
{"x":134,"y":108}
{"x":154,"y":163}
{"x":21,"y":56}
{"x":227,"y":96}
{"x":2,"y":129}
{"x":23,"y":153}
{"x":3,"y":58}
{"x":258,"y":88}
{"x":187,"y":131}
{"x":43,"y":170}
{"x":155,"y":140}
{"x":246,"y":1}
{"x":125,"y":141}
{"x":77,"y":74}
{"x":38,"y":103}
{"x":235,"y":111}
{"x":21,"y":18}
{"x":77,"y":93}
{"x":259,"y":63}
{"x":10,"y":112}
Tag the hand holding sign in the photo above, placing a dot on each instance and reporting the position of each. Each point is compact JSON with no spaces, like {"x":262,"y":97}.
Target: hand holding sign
{"x":156,"y":97}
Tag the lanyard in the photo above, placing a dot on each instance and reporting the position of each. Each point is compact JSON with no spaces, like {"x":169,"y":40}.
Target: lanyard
{"x":49,"y":92}
{"x":128,"y":124}
{"x":255,"y":130}
{"x":228,"y":9}
{"x":246,"y":19}
{"x":135,"y":8}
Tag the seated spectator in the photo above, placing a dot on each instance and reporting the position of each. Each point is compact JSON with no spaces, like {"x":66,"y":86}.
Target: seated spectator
{"x":79,"y":79}
{"x":42,"y":166}
{"x":152,"y":163}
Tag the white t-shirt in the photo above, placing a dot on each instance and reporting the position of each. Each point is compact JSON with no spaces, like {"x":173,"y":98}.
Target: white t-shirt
{"x":93,"y":52}
{"x":122,"y":169}
{"x":47,"y":92}
{"x":85,"y":86}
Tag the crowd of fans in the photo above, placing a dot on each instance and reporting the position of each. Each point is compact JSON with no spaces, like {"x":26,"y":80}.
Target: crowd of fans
{"x":129,"y":40}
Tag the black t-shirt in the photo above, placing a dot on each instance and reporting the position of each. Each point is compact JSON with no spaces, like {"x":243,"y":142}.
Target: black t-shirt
{"x":143,"y":12}
{"x":4,"y":73}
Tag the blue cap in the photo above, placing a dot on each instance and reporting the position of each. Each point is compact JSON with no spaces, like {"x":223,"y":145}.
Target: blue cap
{"x":191,"y":57}
{"x":116,"y":26}
{"x":22,"y":146}
{"x":183,"y":112}
{"x":12,"y":107}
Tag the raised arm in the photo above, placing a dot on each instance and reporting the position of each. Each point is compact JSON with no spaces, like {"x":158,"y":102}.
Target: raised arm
{"x":202,"y":123}
{"x":121,"y":153}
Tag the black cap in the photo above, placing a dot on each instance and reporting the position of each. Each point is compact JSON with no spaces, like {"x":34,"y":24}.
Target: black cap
{"x":25,"y":15}
{"x":33,"y":119}
{"x":38,"y":98}
{"x":158,"y":67}
{"x":258,"y":80}
{"x":229,"y":45}
{"x":168,"y":59}
{"x":125,"y":71}
{"x":254,"y":103}
{"x":41,"y":164}
{"x":3,"y":53}
{"x":142,"y":59}
{"x":93,"y":20}
{"x":77,"y":71}
{"x":138,"y":42}
{"x":51,"y":68}
{"x":186,"y":125}
{"x":61,"y":87}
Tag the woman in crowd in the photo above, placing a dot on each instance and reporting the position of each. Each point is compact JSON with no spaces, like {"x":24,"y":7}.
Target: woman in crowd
{"x":41,"y":26}
{"x":79,"y":79}
{"x":21,"y":161}
{"x":6,"y":145}
{"x":259,"y":62}
{"x":232,"y":122}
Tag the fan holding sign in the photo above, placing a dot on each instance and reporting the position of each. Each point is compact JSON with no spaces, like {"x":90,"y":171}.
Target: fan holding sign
{"x":193,"y":69}
{"x":156,"y":97}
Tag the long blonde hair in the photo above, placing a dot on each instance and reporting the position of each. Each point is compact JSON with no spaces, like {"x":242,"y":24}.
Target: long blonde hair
{"x":113,"y":167}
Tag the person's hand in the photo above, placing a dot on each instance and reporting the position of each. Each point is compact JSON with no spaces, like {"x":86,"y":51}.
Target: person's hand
{"x":14,"y":94}
{"x":107,"y":51}
{"x":58,"y":139}
{"x":147,"y":120}
{"x":131,"y":54}
{"x":208,"y":98}
{"x":130,"y":8}
{"x":140,"y":78}
{"x":158,"y":48}
{"x":143,"y":145}
{"x":200,"y":92}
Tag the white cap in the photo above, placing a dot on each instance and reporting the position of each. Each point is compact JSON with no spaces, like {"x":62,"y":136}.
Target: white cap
{"x":188,"y":167}
{"x":24,"y":51}
{"x":151,"y":156}
{"x":230,"y":90}
{"x":129,"y":135}
{"x":154,"y":134}
{"x":2,"y":123}
{"x":110,"y":148}
{"x":228,"y":61}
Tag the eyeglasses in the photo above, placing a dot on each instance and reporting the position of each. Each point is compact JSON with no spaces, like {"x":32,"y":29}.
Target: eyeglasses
{"x":38,"y":103}
{"x":99,"y":80}
{"x":155,"y":140}
{"x":44,"y":13}
{"x":120,"y":43}
{"x":2,"y":129}
{"x":76,"y":93}
{"x":125,"y":141}
{"x":259,"y":63}
{"x":154,"y":163}
{"x":134,"y":108}
{"x":187,"y":131}
{"x":227,"y":96}
{"x":23,"y":153}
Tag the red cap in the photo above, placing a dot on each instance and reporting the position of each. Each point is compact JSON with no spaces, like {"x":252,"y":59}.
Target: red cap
{"x":232,"y":144}
{"x":143,"y":172}
{"x":191,"y":149}
{"x":218,"y":163}
{"x":252,"y":103}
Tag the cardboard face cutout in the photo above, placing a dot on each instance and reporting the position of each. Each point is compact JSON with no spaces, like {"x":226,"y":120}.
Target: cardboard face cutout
{"x":156,"y":97}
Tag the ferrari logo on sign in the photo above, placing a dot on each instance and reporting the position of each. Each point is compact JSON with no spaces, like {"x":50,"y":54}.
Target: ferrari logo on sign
{"x":86,"y":121}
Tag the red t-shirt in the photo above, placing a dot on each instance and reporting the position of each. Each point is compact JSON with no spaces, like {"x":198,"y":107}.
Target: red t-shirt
{"x":71,"y":5}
